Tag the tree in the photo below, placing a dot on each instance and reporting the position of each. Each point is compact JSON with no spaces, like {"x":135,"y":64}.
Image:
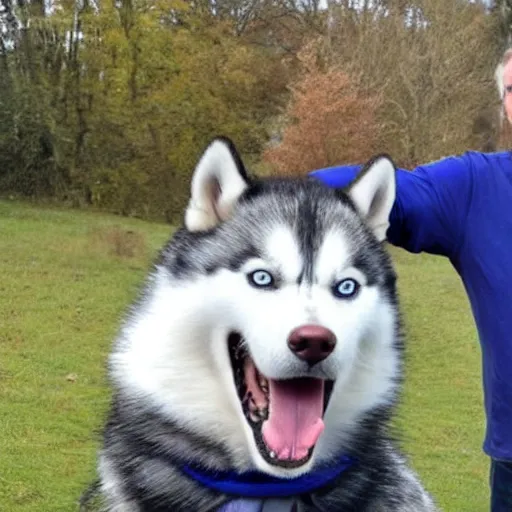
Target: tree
{"x":329,"y":121}
{"x":433,"y":63}
{"x":502,"y":9}
{"x":110,"y":104}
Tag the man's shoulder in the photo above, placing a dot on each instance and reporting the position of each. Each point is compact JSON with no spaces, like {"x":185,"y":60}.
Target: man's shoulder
{"x":468,"y":164}
{"x":499,"y":158}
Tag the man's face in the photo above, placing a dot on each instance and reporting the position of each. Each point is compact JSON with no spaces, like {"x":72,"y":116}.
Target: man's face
{"x":507,"y":82}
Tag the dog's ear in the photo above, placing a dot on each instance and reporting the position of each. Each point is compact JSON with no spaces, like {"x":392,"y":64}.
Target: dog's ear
{"x":373,"y":192}
{"x":218,"y":181}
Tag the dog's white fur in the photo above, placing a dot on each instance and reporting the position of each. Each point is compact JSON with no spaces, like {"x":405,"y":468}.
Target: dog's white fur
{"x":216,"y":186}
{"x":174,"y":352}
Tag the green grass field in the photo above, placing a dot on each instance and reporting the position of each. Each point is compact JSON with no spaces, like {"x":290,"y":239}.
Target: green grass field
{"x":66,"y":278}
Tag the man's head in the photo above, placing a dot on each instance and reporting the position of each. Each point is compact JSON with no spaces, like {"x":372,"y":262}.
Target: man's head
{"x":504,"y":81}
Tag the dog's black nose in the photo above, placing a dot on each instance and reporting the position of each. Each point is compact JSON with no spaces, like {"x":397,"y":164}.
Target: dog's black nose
{"x":311,"y":343}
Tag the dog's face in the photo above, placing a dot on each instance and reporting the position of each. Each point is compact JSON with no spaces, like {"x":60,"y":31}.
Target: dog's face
{"x":270,"y":325}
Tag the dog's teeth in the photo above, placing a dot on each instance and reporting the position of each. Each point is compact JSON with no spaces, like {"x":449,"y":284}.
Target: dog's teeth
{"x":253,"y":415}
{"x":263,"y":382}
{"x":272,"y":455}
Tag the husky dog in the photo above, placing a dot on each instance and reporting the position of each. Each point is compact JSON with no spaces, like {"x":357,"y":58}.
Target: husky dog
{"x":261,"y":366}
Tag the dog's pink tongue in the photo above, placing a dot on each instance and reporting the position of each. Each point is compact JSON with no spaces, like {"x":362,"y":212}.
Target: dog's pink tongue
{"x":294,"y":422}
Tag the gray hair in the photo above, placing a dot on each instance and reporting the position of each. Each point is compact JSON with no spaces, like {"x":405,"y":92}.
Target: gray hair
{"x":498,"y":74}
{"x":500,"y":82}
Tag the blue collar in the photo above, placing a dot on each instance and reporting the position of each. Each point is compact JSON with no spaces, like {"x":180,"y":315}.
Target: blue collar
{"x":254,"y":484}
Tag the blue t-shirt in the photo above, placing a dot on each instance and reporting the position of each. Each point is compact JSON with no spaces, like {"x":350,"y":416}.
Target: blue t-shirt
{"x":461,"y":207}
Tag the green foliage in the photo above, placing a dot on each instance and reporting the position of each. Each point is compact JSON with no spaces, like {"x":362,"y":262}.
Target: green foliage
{"x":110,"y":104}
{"x":117,"y":117}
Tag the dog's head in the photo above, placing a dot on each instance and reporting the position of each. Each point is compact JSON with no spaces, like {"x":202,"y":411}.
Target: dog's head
{"x":270,"y":324}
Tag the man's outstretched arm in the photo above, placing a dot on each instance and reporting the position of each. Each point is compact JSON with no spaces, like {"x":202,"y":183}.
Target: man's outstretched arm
{"x":431,"y":203}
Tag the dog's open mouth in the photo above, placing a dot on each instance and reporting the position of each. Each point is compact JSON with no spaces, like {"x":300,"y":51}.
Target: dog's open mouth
{"x":286,"y":416}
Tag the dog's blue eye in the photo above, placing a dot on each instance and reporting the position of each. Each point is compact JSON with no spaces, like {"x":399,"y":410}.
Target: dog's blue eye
{"x":261,"y":279}
{"x":346,"y":288}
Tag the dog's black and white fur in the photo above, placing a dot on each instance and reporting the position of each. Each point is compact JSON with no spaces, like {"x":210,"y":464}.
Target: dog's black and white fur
{"x":255,"y":261}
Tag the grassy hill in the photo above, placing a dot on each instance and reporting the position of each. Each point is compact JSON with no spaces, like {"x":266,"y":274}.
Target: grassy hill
{"x":65,"y":279}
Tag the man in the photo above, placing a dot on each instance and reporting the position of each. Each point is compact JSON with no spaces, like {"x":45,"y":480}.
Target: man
{"x":461,"y":207}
